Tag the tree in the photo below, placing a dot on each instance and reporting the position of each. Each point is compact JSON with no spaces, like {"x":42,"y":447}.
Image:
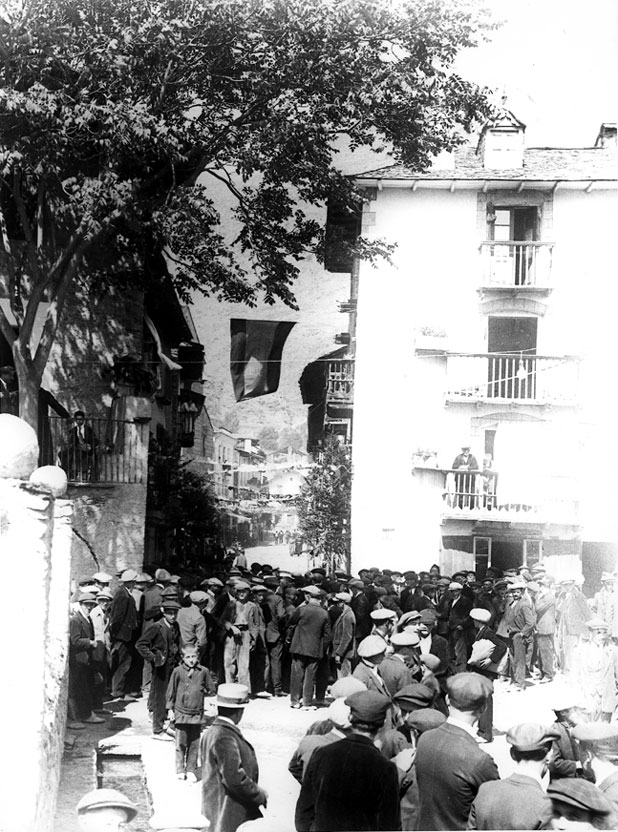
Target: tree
{"x":185,"y":503}
{"x":268,"y":438}
{"x":118,"y":117}
{"x":324,"y":505}
{"x":231,"y":421}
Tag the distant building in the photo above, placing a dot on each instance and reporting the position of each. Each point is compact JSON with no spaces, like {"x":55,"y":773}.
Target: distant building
{"x":494,"y":328}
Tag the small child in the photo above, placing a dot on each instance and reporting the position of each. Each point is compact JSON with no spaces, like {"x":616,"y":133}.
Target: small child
{"x":185,"y":703}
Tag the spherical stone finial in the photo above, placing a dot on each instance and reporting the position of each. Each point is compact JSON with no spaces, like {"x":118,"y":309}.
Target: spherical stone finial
{"x":50,"y":478}
{"x":19,"y":448}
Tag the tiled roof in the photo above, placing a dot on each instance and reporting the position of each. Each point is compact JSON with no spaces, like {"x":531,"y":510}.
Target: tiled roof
{"x":541,"y":164}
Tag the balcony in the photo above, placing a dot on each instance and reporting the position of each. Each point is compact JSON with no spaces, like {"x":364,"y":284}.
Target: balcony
{"x":508,"y":377}
{"x":340,"y":382}
{"x":482,"y":496}
{"x":516,"y":265}
{"x":111,"y":450}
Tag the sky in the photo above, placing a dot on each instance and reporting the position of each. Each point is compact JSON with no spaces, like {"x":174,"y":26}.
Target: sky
{"x":557,"y":63}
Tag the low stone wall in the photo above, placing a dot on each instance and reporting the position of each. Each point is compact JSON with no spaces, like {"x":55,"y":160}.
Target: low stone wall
{"x":35,"y":543}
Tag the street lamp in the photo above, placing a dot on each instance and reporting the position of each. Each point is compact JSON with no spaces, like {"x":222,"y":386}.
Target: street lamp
{"x":187,"y":412}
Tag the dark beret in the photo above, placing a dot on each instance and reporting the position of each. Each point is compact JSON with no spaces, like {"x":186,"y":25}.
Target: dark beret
{"x":425,"y":719}
{"x":531,"y":736}
{"x":414,"y":696}
{"x":468,"y":691}
{"x":580,"y":793}
{"x":367,"y":706}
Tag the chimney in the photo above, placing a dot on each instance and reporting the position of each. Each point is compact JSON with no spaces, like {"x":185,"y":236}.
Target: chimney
{"x":501,"y":146}
{"x":607,"y":135}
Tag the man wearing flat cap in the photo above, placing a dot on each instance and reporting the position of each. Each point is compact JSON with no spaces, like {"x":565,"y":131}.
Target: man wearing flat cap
{"x":123,"y":623}
{"x":450,"y":766}
{"x":81,"y":667}
{"x":159,"y":645}
{"x":402,"y":666}
{"x":349,"y":785}
{"x":519,"y":801}
{"x":308,"y":635}
{"x":361,"y":607}
{"x":519,"y":621}
{"x":104,"y":810}
{"x":343,"y":647}
{"x":230,"y":774}
{"x":578,"y":804}
{"x":598,"y":744}
{"x":460,"y":627}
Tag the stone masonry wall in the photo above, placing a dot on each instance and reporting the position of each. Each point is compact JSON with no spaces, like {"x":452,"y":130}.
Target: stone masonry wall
{"x":34,"y":540}
{"x":108,"y":528}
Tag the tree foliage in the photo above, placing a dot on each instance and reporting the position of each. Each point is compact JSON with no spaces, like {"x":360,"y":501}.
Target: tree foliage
{"x":185,"y":502}
{"x":118,"y":117}
{"x":325,"y":503}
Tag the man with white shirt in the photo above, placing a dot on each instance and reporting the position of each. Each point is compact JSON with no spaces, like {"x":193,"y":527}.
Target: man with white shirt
{"x":519,"y":801}
{"x":450,"y":765}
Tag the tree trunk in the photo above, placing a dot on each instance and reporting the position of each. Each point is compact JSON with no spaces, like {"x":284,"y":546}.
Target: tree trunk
{"x":29,"y":383}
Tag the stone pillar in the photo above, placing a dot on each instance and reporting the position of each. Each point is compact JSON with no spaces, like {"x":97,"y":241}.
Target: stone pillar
{"x":26,"y":544}
{"x":56,"y":676}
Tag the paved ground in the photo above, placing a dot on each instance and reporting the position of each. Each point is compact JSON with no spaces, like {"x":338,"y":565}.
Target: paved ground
{"x":272,"y":727}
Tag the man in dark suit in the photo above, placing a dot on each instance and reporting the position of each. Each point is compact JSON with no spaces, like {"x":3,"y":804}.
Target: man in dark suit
{"x":486,"y":664}
{"x":349,"y":784}
{"x":450,"y":766}
{"x":160,"y":644}
{"x":273,"y":612}
{"x":343,"y":646}
{"x":81,"y":453}
{"x":81,"y":670}
{"x":230,"y":791}
{"x":308,"y":635}
{"x":519,"y":801}
{"x":396,"y":668}
{"x":123,"y":623}
{"x":361,"y":607}
{"x":460,"y":626}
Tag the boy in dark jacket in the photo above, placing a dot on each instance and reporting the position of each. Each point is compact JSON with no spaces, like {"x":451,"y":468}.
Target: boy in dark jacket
{"x":185,"y":703}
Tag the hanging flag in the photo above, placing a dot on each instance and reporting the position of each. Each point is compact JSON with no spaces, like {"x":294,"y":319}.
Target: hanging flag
{"x":255,"y":356}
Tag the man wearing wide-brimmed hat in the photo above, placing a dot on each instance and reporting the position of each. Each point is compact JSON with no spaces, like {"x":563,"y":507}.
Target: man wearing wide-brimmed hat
{"x":230,"y":791}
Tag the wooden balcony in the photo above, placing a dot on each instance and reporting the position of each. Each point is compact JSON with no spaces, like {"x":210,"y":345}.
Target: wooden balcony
{"x":482,"y":496}
{"x":111,"y":451}
{"x":340,"y":382}
{"x":516,"y":265}
{"x":508,"y":377}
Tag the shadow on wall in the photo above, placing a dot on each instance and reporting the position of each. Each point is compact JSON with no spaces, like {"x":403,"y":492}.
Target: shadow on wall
{"x":94,"y":329}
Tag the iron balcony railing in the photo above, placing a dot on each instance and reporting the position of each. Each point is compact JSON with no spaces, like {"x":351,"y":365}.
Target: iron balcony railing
{"x":480,"y":494}
{"x":510,"y":377}
{"x":105,"y":451}
{"x":517,"y":264}
{"x":340,"y":381}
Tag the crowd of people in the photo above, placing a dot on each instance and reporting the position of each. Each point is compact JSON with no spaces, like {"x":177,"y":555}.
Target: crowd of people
{"x":405,"y":665}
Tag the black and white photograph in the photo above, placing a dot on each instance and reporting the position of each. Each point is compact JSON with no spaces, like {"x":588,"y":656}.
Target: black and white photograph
{"x":308,"y":444}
